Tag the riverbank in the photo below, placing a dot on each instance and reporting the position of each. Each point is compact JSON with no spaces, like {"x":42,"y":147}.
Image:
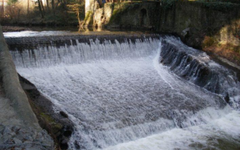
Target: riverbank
{"x":19,"y":128}
{"x":57,"y":123}
{"x":225,"y":52}
{"x":12,"y":28}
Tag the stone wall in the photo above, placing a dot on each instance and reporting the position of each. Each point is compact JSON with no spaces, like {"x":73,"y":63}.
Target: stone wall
{"x":126,"y":15}
{"x":194,"y":21}
{"x":200,"y":25}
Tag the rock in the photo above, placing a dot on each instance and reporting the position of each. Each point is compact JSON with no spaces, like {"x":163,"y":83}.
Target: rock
{"x":64,"y":146}
{"x":8,"y":140}
{"x":28,"y":138}
{"x":48,"y":143}
{"x":33,"y":148}
{"x":27,"y":142}
{"x":1,"y":139}
{"x":185,"y":32}
{"x":23,"y":131}
{"x":17,"y":141}
{"x":7,"y":131}
{"x":227,"y":99}
{"x":15,"y":129}
{"x":67,"y":131}
{"x":12,"y":134}
{"x":77,"y":146}
{"x":49,"y":120}
{"x":37,"y":147}
{"x":1,"y":128}
{"x":64,"y":137}
{"x":63,"y":114}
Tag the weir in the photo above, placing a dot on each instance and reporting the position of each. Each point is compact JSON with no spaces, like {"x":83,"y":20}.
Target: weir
{"x":134,"y":93}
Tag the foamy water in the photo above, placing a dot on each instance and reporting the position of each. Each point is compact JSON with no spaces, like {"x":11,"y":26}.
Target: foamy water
{"x":120,"y":97}
{"x":221,"y":132}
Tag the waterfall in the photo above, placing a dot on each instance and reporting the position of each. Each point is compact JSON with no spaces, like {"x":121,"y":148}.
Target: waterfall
{"x":126,"y":95}
{"x":196,"y":67}
{"x":82,"y":53}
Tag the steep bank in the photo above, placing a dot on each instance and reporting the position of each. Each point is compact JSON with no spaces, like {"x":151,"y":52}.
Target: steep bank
{"x":213,"y":27}
{"x":58,"y":125}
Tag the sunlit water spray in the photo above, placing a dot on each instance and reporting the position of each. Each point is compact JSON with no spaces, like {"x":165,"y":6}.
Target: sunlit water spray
{"x":119,"y":96}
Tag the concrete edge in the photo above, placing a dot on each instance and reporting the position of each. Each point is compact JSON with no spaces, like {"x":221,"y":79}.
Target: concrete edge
{"x":12,"y":87}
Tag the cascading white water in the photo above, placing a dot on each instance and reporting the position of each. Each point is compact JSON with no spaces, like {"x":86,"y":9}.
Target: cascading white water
{"x":196,"y":67}
{"x":120,"y":97}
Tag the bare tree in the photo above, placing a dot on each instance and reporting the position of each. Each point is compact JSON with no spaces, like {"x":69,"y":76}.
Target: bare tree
{"x":47,"y":1}
{"x":76,"y":8}
{"x":28,"y":7}
{"x":41,"y":8}
{"x":2,"y":8}
{"x":53,"y":7}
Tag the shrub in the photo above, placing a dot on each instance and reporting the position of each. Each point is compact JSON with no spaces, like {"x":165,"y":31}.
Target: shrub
{"x":208,"y":41}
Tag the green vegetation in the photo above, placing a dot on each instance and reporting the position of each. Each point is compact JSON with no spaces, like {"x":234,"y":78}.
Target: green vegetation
{"x":167,"y":4}
{"x":220,"y":6}
{"x":11,"y":2}
{"x":219,"y":1}
{"x":88,"y":19}
{"x":52,"y":12}
{"x":45,"y":120}
{"x":77,"y":10}
{"x":120,"y":8}
{"x":71,"y":12}
{"x":48,"y":120}
{"x":208,"y":41}
{"x":118,"y":11}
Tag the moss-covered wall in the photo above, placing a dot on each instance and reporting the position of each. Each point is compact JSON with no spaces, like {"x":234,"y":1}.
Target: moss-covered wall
{"x":213,"y":27}
{"x":189,"y":19}
{"x":129,"y":15}
{"x":200,"y":20}
{"x":200,"y":24}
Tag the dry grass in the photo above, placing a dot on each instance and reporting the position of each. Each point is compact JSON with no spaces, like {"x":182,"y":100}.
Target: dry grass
{"x":13,"y":28}
{"x":230,"y":52}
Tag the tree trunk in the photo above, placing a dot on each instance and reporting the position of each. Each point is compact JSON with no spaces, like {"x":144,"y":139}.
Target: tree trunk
{"x":28,"y":8}
{"x":80,"y":27}
{"x":2,"y":8}
{"x":53,"y":8}
{"x":79,"y":20}
{"x":41,"y":8}
{"x":47,"y":4}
